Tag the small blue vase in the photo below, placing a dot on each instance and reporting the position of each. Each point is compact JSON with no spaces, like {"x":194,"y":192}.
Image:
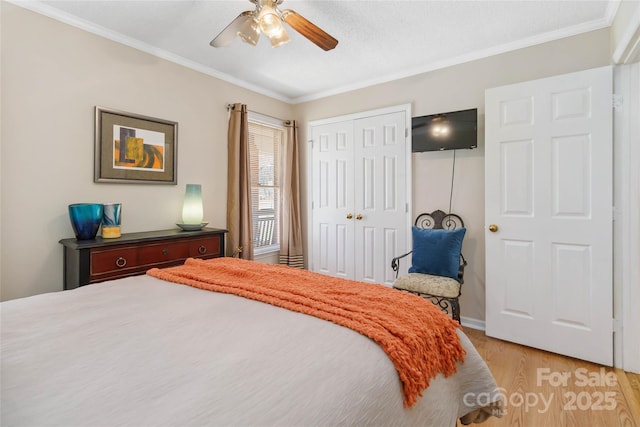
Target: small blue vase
{"x":85,"y":219}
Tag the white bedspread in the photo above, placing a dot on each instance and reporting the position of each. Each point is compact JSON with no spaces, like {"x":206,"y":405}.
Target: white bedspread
{"x":144,"y":352}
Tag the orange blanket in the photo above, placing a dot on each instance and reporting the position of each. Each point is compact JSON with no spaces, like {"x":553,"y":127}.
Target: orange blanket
{"x":420,"y":340}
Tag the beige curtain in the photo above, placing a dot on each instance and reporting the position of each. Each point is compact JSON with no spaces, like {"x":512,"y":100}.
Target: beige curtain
{"x":240,"y":233}
{"x":291,"y":252}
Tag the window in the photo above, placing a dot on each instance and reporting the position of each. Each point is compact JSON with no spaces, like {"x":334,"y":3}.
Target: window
{"x":265,"y":149}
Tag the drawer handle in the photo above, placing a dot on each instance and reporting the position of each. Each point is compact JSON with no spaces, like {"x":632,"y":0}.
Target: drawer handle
{"x":165,"y":251}
{"x":202,"y":250}
{"x":121,"y":262}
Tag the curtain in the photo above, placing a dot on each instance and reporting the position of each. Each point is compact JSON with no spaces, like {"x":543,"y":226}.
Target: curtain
{"x":291,"y":249}
{"x":239,"y":225}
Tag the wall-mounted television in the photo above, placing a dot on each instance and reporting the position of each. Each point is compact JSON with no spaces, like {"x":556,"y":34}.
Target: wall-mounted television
{"x":445,"y":131}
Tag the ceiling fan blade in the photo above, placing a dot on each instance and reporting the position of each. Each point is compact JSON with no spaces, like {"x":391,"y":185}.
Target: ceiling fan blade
{"x":309,"y":30}
{"x":227,"y":35}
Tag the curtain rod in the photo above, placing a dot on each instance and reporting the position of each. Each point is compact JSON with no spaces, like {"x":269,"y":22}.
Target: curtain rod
{"x":286,"y":122}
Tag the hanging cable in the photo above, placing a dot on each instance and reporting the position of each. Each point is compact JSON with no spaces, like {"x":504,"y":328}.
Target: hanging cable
{"x":453,"y":174}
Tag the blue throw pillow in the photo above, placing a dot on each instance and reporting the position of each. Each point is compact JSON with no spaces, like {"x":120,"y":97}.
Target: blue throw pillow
{"x":437,"y":252}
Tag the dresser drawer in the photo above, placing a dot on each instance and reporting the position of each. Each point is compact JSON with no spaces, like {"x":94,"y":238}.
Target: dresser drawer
{"x":162,"y":252}
{"x":119,"y":259}
{"x":206,"y":248}
{"x":112,"y":260}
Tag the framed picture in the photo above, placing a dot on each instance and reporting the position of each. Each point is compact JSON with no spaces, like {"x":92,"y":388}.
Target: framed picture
{"x":134,"y":149}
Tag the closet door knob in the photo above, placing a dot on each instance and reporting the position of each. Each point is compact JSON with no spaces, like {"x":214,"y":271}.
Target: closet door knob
{"x":349,"y":216}
{"x":359,"y":217}
{"x":493,"y":228}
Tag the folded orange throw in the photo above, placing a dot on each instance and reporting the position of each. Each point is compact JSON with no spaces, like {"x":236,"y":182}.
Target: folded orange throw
{"x":420,"y":340}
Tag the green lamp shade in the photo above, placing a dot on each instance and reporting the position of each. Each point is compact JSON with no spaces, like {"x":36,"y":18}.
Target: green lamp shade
{"x":192,"y":211}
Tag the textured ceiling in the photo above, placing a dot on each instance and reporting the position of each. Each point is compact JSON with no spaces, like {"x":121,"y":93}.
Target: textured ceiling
{"x":378,"y":40}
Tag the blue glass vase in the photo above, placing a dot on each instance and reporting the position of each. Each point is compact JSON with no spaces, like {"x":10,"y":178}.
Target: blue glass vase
{"x":85,"y":219}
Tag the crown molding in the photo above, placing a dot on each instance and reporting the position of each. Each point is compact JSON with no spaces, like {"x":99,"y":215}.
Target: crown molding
{"x":43,"y":9}
{"x":481,"y":54}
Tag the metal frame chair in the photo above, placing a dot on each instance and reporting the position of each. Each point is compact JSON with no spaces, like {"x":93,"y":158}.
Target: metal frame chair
{"x":437,"y":220}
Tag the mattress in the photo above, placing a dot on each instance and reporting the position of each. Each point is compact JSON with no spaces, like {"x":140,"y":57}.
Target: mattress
{"x":140,"y":351}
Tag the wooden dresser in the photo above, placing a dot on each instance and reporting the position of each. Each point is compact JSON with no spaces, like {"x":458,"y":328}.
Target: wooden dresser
{"x":97,"y":260}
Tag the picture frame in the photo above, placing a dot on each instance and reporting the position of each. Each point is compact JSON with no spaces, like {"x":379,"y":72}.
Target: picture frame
{"x":134,"y":149}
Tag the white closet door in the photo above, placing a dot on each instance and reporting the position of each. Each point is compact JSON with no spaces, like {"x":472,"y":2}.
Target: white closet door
{"x":360,"y":184}
{"x":380,"y":197}
{"x":332,"y":202}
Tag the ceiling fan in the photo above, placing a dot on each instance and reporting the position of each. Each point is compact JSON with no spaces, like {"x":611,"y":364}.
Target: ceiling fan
{"x":268,"y":20}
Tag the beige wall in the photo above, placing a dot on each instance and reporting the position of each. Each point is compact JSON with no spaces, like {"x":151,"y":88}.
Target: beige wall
{"x":53,"y":75}
{"x":456,"y":88}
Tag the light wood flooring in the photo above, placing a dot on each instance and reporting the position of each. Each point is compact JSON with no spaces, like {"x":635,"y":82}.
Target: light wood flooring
{"x":610,"y":397}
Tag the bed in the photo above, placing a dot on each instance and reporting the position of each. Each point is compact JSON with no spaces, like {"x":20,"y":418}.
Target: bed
{"x":142,"y":351}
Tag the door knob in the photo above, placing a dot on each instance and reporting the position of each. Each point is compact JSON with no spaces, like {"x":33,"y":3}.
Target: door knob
{"x":349,"y":216}
{"x":493,"y":228}
{"x":359,"y":216}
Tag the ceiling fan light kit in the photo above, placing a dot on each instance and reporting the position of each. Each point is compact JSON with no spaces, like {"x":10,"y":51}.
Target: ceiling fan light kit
{"x":269,"y":20}
{"x":270,"y":23}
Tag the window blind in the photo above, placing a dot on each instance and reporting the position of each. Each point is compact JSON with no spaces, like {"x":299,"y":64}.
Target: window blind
{"x":265,"y":150}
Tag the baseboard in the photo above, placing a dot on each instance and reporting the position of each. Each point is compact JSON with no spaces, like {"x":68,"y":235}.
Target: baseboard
{"x":469,"y":322}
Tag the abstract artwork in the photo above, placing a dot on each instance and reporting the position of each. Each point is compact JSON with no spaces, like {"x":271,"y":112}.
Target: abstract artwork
{"x":132,"y":148}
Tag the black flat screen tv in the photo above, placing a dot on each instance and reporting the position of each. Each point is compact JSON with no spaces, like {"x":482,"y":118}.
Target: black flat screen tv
{"x":445,"y":131}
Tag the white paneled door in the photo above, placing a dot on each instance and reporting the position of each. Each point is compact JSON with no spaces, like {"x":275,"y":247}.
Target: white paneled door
{"x":360,"y":189}
{"x":380,"y":195}
{"x":333,"y":199}
{"x":548,"y":213}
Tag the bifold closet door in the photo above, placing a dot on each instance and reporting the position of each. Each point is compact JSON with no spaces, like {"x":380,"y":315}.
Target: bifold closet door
{"x":379,"y":195}
{"x":359,"y":201}
{"x":332,"y":175}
